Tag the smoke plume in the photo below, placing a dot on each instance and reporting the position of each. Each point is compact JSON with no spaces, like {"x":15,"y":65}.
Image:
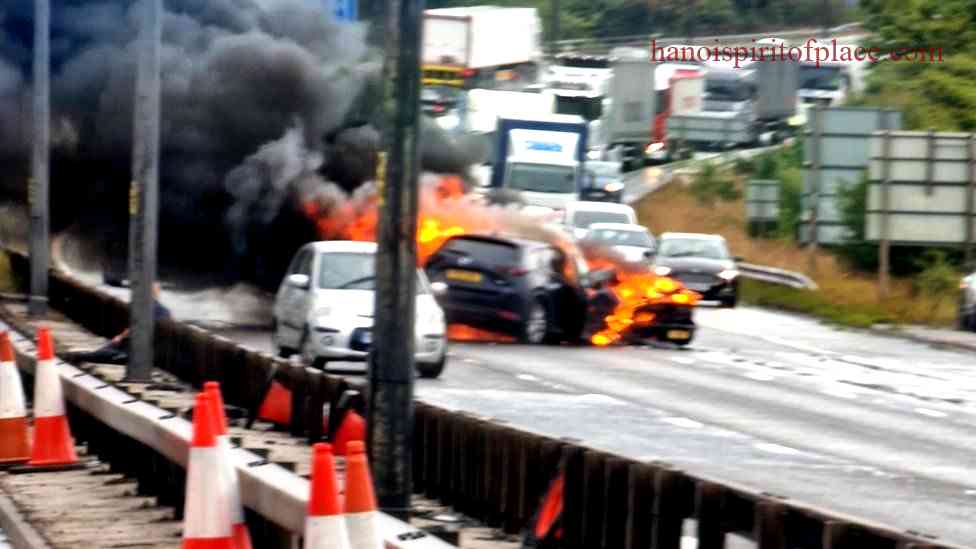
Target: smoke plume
{"x":257,"y":97}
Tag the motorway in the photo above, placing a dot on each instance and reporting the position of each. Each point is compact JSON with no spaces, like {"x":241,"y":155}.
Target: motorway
{"x":868,"y":425}
{"x":879,"y":428}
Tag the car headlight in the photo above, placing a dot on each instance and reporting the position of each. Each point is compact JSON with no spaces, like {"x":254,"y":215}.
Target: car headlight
{"x":613,"y":187}
{"x":728,"y":274}
{"x":662,"y":271}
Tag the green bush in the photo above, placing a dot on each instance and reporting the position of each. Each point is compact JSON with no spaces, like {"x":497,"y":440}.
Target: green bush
{"x":713,"y":183}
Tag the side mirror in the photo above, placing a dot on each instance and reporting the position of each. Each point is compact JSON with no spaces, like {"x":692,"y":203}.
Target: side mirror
{"x":649,"y":254}
{"x":299,"y":281}
{"x":438,"y":288}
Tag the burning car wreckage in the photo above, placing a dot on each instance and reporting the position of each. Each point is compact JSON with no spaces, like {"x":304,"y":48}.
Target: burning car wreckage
{"x":626,"y":303}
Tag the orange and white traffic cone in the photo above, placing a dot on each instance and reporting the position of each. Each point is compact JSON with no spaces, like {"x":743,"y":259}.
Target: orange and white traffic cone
{"x":14,"y":440}
{"x":276,"y":407}
{"x":241,"y":535}
{"x":207,"y":509}
{"x":360,"y":504}
{"x":353,"y":427}
{"x":53,"y":444}
{"x":325,"y":527}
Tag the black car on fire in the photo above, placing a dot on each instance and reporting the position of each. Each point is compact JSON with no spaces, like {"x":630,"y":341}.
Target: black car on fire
{"x":702,"y":263}
{"x":524,"y":288}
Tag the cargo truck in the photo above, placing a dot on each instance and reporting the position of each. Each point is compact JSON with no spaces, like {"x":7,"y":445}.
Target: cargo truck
{"x":541,"y":159}
{"x":481,"y":47}
{"x":743,"y":106}
{"x":629,"y":118}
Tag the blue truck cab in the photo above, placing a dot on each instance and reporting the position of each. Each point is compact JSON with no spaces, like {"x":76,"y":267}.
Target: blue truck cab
{"x":542,"y":159}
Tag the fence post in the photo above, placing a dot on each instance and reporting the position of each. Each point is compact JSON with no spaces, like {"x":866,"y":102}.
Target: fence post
{"x":884,"y":249}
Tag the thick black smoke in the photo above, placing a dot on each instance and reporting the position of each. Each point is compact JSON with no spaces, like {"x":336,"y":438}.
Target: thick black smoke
{"x":252,"y":89}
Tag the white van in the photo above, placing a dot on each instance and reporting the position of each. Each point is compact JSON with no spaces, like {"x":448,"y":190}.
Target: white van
{"x":580,"y":215}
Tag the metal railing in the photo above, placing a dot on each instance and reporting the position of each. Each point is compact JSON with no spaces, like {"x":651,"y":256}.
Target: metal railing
{"x":773,"y":275}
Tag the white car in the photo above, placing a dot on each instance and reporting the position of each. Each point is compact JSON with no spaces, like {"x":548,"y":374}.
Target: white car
{"x":580,"y":215}
{"x":634,"y":242}
{"x":324,"y":309}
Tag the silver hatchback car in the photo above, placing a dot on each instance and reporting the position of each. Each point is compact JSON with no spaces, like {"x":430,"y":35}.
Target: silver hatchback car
{"x":324,"y":309}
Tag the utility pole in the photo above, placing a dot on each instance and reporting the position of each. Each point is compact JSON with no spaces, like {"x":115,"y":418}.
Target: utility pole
{"x":391,"y":373}
{"x":38,"y":185}
{"x":144,"y":194}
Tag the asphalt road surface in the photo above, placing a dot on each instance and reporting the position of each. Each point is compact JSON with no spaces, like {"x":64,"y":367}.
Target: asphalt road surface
{"x":859,"y":423}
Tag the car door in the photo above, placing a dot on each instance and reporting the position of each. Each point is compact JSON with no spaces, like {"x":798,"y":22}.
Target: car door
{"x":294,"y":300}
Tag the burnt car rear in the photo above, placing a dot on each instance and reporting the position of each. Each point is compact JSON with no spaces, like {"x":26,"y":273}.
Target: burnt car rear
{"x":508,"y":285}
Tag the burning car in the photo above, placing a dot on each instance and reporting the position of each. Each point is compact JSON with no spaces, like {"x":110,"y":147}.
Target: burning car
{"x":642,"y":307}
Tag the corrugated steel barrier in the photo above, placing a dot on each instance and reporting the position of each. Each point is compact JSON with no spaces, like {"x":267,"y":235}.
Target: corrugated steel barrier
{"x":497,"y":473}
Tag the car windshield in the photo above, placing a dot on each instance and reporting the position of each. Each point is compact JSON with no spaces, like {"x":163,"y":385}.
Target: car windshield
{"x":542,"y":178}
{"x":693,"y":247}
{"x":489,"y":253}
{"x":352,"y":271}
{"x":615,"y":237}
{"x":820,"y":78}
{"x":583,"y":220}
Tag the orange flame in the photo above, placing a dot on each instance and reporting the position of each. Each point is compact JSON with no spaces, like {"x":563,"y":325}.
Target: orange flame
{"x":463,"y":332}
{"x":634,"y":291}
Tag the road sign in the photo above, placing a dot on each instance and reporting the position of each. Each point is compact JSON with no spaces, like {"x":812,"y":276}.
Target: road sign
{"x":346,"y":10}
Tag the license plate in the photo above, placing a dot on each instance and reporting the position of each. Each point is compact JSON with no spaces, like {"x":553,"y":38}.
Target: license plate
{"x":679,"y":334}
{"x":464,"y":276}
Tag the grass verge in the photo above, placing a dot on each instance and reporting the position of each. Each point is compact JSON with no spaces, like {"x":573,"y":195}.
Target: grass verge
{"x":845,"y":297}
{"x":7,"y":283}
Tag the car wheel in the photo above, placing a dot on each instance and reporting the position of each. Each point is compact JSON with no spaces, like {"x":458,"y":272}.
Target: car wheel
{"x":730,"y":302}
{"x":309,"y":357}
{"x":432,"y":370}
{"x":972,"y":322}
{"x":280,"y":350}
{"x":536,"y":327}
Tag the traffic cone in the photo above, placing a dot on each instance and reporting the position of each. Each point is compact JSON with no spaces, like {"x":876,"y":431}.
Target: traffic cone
{"x":53,"y":444}
{"x":242,"y":537}
{"x":360,"y":504}
{"x":325,"y":527}
{"x":14,"y":442}
{"x":276,"y":407}
{"x":207,"y":509}
{"x":353,"y":427}
{"x":545,"y":530}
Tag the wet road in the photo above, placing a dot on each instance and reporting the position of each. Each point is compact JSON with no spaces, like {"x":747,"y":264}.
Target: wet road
{"x":867,"y":425}
{"x":859,"y":423}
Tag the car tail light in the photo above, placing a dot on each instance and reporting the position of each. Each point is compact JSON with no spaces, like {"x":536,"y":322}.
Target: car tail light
{"x":508,"y":315}
{"x":515,"y":271}
{"x":438,"y":108}
{"x":467,"y":73}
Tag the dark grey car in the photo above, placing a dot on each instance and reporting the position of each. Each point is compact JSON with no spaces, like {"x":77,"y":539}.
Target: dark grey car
{"x":701,"y":262}
{"x":510,"y":285}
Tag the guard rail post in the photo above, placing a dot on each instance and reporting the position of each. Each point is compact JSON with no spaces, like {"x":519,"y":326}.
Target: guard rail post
{"x":594,"y":512}
{"x":616,"y":492}
{"x":668,"y":516}
{"x":709,"y":503}
{"x":770,"y":526}
{"x":640,"y":502}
